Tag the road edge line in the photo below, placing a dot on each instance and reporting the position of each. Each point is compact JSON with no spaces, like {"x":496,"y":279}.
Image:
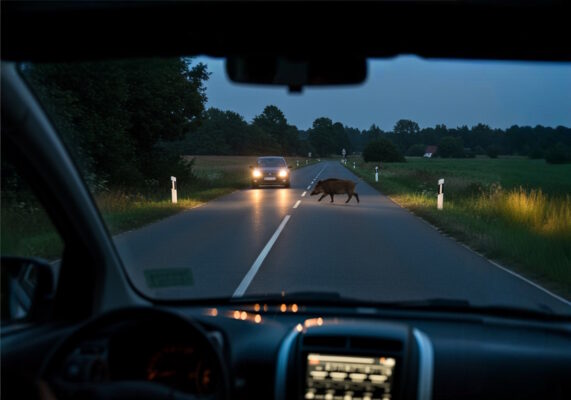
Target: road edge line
{"x":494,"y":263}
{"x":249,"y":277}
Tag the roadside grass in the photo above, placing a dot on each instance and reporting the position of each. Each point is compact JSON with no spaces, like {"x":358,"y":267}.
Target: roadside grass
{"x":513,"y":210}
{"x":25,"y":229}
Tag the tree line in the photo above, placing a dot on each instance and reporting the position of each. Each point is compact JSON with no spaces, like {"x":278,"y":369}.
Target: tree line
{"x":226,"y":132}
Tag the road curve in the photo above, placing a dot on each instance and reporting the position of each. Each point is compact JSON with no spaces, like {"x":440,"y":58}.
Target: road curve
{"x":262,"y":241}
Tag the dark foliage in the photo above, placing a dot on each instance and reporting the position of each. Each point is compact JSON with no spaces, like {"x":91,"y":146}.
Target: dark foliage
{"x":116,"y":116}
{"x":451,"y":146}
{"x":382,"y":150}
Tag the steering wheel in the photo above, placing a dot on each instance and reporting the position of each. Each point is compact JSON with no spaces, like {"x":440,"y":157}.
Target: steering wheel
{"x":61,"y":378}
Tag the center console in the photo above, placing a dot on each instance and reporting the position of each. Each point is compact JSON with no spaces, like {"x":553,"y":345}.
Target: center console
{"x":346,"y":360}
{"x":342,"y":377}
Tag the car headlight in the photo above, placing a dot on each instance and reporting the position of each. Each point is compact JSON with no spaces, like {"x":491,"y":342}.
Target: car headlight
{"x":283,"y":173}
{"x":256,"y":173}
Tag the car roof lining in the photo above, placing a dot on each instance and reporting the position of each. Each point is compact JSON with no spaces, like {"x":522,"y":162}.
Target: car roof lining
{"x":88,"y":30}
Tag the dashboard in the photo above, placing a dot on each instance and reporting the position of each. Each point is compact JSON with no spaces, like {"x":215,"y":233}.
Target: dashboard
{"x":152,"y":355}
{"x":255,"y":351}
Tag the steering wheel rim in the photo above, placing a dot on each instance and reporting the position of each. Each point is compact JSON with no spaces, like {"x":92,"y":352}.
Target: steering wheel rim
{"x":53,"y":365}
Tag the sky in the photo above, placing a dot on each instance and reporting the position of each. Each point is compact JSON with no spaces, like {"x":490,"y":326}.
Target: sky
{"x":430,"y":92}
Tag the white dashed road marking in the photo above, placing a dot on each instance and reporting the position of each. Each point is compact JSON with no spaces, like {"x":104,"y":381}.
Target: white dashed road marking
{"x":258,"y":263}
{"x":297,"y":204}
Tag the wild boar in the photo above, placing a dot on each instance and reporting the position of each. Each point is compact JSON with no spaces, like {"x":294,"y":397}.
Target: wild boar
{"x":335,"y":186}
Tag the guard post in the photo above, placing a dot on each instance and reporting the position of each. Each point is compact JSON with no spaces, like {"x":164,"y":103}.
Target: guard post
{"x":173,"y":190}
{"x":440,"y":199}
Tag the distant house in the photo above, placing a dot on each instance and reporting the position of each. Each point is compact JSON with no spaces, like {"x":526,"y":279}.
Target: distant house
{"x":430,"y":151}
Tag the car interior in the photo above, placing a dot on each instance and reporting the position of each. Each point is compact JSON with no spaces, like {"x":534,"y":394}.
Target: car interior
{"x":81,"y":329}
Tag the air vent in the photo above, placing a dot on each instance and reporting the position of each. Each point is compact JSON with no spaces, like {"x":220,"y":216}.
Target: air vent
{"x":353,"y":342}
{"x":369,"y":343}
{"x":339,"y":342}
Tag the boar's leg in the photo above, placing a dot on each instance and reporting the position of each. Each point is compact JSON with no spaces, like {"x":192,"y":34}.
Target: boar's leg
{"x":322,"y":196}
{"x":331,"y":194}
{"x":356,"y":196}
{"x":349,"y":197}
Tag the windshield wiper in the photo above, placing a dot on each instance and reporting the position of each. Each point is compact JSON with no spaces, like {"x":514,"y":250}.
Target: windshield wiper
{"x":335,"y":298}
{"x":309,"y":298}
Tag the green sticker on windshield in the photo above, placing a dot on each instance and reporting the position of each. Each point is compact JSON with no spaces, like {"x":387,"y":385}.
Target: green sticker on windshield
{"x":168,"y":277}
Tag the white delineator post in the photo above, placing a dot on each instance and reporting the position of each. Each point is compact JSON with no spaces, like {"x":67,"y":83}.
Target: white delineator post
{"x":353,"y":164}
{"x":173,"y":190}
{"x":297,"y":163}
{"x":376,"y":173}
{"x":440,"y":199}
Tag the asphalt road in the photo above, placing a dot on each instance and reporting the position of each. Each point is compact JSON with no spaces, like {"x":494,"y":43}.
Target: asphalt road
{"x":263,"y":241}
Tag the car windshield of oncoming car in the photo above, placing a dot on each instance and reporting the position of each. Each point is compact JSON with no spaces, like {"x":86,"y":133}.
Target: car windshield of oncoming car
{"x":479,"y":150}
{"x":271,"y":162}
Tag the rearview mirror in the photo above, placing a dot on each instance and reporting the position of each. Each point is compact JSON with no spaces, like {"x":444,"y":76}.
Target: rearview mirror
{"x":296,"y":73}
{"x":26,"y":289}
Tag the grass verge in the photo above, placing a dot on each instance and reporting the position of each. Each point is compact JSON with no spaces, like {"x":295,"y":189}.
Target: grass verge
{"x":512,"y":210}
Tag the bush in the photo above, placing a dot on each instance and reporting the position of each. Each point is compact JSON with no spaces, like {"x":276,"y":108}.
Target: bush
{"x":536,"y":153}
{"x":479,"y":150}
{"x":451,"y":147}
{"x":558,"y":154}
{"x":382,"y":150}
{"x":469,"y":153}
{"x":493,"y":151}
{"x":416,"y":150}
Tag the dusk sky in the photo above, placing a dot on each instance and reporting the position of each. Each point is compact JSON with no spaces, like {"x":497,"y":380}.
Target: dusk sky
{"x":455,"y":93}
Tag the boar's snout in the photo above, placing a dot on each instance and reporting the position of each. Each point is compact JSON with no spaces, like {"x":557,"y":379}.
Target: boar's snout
{"x":316,"y":190}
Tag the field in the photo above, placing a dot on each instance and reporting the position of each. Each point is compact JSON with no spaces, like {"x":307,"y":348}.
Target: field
{"x":514,"y":210}
{"x":26,"y":230}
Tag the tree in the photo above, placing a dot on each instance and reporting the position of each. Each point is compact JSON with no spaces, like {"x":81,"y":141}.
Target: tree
{"x":416,"y":150}
{"x":112,"y":111}
{"x":322,"y":137}
{"x":221,"y":132}
{"x":382,"y":150}
{"x":341,"y":138}
{"x":558,"y":154}
{"x":273,"y":122}
{"x":450,"y":147}
{"x":406,"y":126}
{"x":478,"y":150}
{"x":493,"y":151}
{"x":356,"y":139}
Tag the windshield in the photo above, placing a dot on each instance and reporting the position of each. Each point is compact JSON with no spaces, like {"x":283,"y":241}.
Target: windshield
{"x":271,"y":162}
{"x":434,"y":179}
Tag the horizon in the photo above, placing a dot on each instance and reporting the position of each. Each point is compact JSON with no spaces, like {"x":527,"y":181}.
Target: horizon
{"x":428,"y":92}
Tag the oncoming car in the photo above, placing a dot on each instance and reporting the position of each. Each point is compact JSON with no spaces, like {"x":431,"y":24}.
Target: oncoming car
{"x":270,"y":170}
